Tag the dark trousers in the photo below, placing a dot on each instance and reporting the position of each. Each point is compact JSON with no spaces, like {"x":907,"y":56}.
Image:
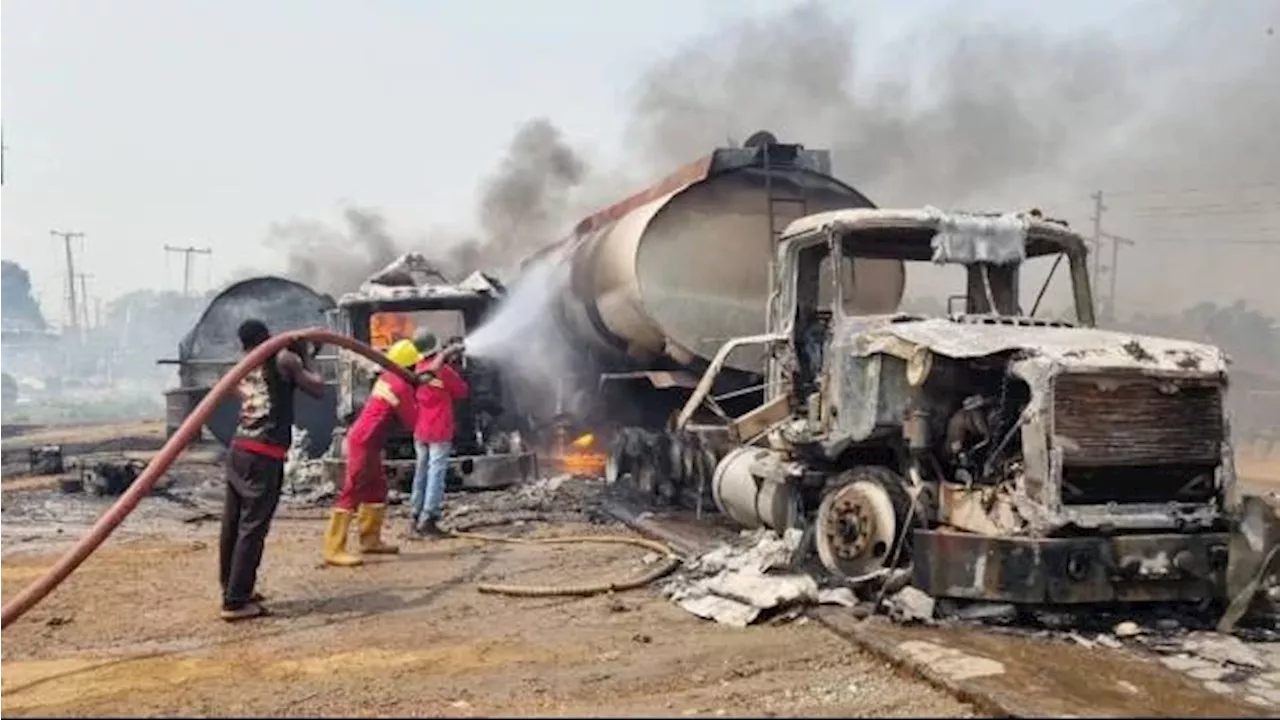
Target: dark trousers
{"x":253,"y":491}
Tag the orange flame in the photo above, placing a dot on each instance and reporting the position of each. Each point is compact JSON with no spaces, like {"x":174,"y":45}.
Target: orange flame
{"x":387,"y":327}
{"x":581,"y":458}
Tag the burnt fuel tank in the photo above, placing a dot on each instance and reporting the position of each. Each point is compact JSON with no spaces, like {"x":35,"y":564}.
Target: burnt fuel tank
{"x":212,"y":347}
{"x":670,"y":273}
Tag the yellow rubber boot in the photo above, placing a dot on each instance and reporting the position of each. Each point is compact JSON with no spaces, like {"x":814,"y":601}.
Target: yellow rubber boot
{"x":370,"y":518}
{"x":335,"y":540}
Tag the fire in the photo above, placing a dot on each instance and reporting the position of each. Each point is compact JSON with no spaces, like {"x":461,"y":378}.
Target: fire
{"x":581,"y":458}
{"x":387,"y":327}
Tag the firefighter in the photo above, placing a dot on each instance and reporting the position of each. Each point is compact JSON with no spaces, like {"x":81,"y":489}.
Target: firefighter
{"x":439,"y":387}
{"x":364,"y":489}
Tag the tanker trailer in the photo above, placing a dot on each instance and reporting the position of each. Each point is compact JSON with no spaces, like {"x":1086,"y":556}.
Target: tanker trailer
{"x":655,"y":284}
{"x":212,"y":347}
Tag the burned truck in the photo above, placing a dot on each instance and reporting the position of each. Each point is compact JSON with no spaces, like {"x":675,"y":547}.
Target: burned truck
{"x":999,"y":455}
{"x":488,"y":450}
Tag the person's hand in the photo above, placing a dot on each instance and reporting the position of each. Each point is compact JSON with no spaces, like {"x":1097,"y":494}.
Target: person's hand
{"x":454,"y":350}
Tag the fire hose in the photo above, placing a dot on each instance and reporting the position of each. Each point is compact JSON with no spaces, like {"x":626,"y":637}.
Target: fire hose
{"x":664,"y":568}
{"x":187,"y":431}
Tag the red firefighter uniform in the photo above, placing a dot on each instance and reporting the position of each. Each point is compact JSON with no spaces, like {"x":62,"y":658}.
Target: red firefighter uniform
{"x":364,"y":487}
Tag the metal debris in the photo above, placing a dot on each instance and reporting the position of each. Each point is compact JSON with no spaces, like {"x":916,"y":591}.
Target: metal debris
{"x":1224,"y":649}
{"x":111,"y":478}
{"x":737,"y":585}
{"x":986,"y":612}
{"x":910,"y":604}
{"x":45,"y":460}
{"x":305,"y":480}
{"x":1125,"y":629}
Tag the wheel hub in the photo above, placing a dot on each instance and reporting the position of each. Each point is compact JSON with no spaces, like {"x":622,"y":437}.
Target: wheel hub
{"x":855,"y":528}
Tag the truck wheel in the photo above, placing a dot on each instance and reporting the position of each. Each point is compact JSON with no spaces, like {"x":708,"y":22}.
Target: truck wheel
{"x":859,"y":520}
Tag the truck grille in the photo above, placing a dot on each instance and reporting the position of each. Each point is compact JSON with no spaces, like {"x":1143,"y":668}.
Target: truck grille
{"x":1137,"y":440}
{"x":1109,"y":422}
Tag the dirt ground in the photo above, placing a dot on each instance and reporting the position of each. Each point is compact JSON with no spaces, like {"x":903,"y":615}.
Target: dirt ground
{"x":135,"y":631}
{"x":1258,"y":471}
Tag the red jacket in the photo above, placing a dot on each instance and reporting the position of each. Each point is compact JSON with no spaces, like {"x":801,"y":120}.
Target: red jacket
{"x":435,"y":403}
{"x":391,"y":399}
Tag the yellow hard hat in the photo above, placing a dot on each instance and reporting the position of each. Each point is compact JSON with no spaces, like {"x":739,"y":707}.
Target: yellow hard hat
{"x":404,"y":353}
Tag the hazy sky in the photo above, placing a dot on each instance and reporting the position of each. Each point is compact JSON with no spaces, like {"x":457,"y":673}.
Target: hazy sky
{"x":202,"y":122}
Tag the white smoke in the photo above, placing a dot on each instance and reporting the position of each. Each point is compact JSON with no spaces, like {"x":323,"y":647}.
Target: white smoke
{"x":523,"y":339}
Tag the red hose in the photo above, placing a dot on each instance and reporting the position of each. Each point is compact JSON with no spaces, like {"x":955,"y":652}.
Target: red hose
{"x":36,"y":591}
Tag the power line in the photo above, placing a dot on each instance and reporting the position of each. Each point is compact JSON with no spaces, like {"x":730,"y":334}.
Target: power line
{"x":1227,"y":196}
{"x":187,"y":252}
{"x":1178,"y":213}
{"x":1215,"y":241}
{"x":1265,"y":185}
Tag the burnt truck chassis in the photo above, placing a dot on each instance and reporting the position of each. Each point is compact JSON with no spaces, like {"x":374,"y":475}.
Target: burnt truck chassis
{"x":987,"y":455}
{"x":487,"y":450}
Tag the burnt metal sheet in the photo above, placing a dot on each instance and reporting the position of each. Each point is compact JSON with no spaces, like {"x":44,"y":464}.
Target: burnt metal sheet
{"x":1122,"y":568}
{"x":1043,"y":237}
{"x":1069,"y":347}
{"x":477,"y":285}
{"x":1253,"y":572}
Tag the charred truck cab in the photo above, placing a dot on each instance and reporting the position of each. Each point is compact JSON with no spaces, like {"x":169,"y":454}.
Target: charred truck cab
{"x":997,"y":456}
{"x":487,"y":447}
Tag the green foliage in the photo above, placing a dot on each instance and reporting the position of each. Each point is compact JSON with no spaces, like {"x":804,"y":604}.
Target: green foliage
{"x":18,"y":307}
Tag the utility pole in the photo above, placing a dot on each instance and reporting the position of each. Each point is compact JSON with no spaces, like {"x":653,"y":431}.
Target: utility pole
{"x":84,"y":301}
{"x":73,"y":307}
{"x":1116,"y":242}
{"x":1098,"y":209}
{"x":187,"y":252}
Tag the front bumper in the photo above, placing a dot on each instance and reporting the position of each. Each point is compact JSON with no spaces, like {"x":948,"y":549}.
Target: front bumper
{"x":1121,"y":568}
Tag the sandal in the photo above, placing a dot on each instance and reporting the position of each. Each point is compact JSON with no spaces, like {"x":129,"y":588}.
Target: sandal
{"x":245,"y":612}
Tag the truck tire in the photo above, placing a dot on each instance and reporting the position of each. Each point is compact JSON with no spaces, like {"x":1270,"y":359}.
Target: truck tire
{"x":860,"y":520}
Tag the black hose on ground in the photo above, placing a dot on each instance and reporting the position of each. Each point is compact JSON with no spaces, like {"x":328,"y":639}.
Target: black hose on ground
{"x":669,"y":564}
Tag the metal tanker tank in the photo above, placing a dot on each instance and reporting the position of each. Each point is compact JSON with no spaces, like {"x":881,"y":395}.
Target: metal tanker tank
{"x":674,"y":271}
{"x":212,"y":347}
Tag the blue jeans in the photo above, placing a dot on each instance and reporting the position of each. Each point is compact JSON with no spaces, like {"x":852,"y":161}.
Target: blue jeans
{"x":428,"y":479}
